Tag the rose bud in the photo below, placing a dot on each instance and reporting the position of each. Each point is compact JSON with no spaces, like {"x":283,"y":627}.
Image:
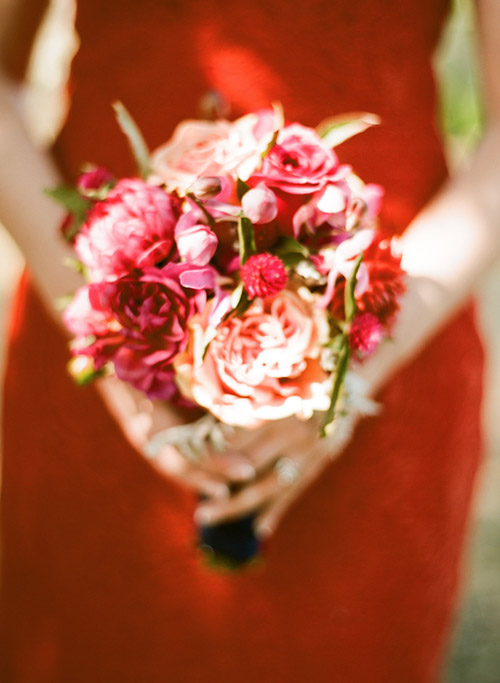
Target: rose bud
{"x":206,"y":187}
{"x":196,"y":244}
{"x":259,"y":204}
{"x":94,"y":179}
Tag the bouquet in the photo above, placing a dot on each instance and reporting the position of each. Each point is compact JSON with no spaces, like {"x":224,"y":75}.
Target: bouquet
{"x":242,"y":271}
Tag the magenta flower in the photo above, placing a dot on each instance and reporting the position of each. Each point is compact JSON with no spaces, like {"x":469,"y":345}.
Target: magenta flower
{"x":132,"y":228}
{"x":299,"y":162}
{"x":151,"y":315}
{"x":365,"y":334}
{"x":94,"y":179}
{"x":263,"y":275}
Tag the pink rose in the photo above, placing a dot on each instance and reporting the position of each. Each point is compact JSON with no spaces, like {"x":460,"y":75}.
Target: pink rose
{"x":132,"y":228}
{"x":299,"y":162}
{"x":207,"y":148}
{"x":260,"y":366}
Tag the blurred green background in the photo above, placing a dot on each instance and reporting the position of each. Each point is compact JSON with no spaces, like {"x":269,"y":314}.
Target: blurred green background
{"x":475,"y":651}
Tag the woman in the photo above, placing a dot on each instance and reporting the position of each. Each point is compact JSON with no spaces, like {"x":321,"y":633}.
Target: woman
{"x":101,"y":579}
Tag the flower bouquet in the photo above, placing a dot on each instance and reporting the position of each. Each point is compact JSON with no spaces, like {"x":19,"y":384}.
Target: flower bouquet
{"x":243,"y":271}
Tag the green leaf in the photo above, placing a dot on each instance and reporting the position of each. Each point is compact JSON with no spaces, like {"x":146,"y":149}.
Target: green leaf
{"x":78,"y":266}
{"x":241,"y":188}
{"x":236,"y":295}
{"x":291,"y":259}
{"x":241,"y":301}
{"x":285,"y":245}
{"x":340,"y":373}
{"x":135,"y":139}
{"x":279,"y":122}
{"x":246,"y":239}
{"x":338,"y":129}
{"x":336,"y":344}
{"x":270,"y":144}
{"x":83,"y":372}
{"x":70,"y":198}
{"x":350,"y":285}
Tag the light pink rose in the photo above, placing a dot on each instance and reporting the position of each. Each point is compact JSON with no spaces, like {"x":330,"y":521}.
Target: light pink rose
{"x":132,"y":228}
{"x":260,"y":366}
{"x":207,"y":148}
{"x":299,"y":162}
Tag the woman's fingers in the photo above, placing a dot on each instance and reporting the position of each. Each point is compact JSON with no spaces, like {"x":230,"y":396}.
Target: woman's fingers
{"x":277,"y":485}
{"x":268,"y":519}
{"x":172,"y":463}
{"x":232,"y":467}
{"x":264,"y":445}
{"x":246,"y":500}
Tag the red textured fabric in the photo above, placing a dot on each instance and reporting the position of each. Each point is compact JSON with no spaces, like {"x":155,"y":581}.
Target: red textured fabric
{"x":101,"y":580}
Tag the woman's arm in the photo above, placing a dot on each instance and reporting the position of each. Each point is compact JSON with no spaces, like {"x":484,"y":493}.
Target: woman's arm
{"x":31,"y":217}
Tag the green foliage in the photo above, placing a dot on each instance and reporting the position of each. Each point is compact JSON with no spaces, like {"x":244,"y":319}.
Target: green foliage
{"x":350,"y":285}
{"x":135,"y":139}
{"x":338,"y":129}
{"x":246,"y":239}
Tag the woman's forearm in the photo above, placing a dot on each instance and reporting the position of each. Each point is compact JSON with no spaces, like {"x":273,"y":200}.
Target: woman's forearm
{"x":29,"y":215}
{"x":445,"y":251}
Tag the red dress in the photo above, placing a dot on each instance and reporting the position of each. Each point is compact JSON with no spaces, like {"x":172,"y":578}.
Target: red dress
{"x":101,"y":578}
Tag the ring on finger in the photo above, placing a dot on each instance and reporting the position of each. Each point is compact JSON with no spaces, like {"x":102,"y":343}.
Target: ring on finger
{"x":287,"y":471}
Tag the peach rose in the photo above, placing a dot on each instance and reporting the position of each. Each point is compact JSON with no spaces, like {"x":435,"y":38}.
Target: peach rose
{"x":207,"y":148}
{"x":261,"y":366}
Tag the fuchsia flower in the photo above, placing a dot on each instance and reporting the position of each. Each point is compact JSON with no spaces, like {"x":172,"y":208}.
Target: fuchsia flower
{"x":132,"y":228}
{"x":385,"y":285}
{"x":140,"y":323}
{"x":299,"y":162}
{"x":153,"y":312}
{"x":94,"y":179}
{"x":365,"y":334}
{"x":263,"y":275}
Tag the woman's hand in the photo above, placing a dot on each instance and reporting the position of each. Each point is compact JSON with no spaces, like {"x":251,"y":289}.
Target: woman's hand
{"x":213,"y":476}
{"x":261,"y":471}
{"x":287,"y":456}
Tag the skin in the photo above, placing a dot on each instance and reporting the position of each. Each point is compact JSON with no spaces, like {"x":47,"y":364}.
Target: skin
{"x":446,"y":248}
